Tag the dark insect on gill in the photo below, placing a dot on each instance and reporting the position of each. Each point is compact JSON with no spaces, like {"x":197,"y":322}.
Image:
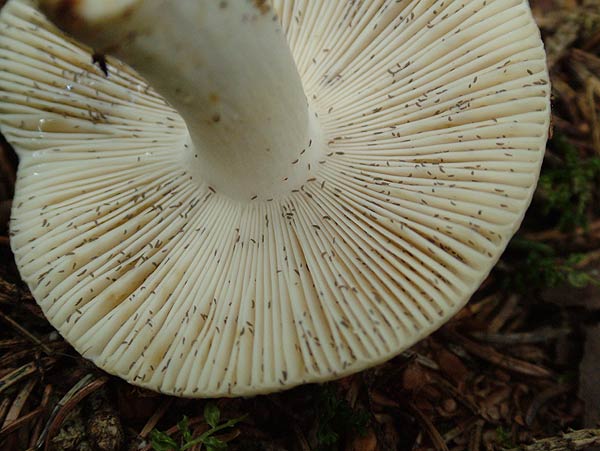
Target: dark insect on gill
{"x":100,"y":60}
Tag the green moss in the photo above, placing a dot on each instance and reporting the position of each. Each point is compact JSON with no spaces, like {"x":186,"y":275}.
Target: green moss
{"x":504,"y":437}
{"x":336,"y":418}
{"x":568,"y":188}
{"x":535,"y":265}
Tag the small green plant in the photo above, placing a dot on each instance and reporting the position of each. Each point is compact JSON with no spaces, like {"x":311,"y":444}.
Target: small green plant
{"x":504,"y":437}
{"x":161,"y":441}
{"x":537,"y":265}
{"x":568,"y":189}
{"x":336,"y":417}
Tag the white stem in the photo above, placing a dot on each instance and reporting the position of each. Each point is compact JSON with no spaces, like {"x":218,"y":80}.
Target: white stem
{"x":227,"y":69}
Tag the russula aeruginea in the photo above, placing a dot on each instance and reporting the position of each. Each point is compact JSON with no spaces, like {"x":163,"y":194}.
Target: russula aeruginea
{"x":329,"y":203}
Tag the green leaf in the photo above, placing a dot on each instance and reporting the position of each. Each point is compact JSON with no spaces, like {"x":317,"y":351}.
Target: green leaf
{"x":162,"y":442}
{"x":184,"y":427}
{"x":214,"y":444}
{"x":212,"y":415}
{"x":207,"y":436}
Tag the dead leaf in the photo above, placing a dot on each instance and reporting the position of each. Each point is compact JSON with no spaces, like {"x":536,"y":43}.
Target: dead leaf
{"x":452,"y":366}
{"x":367,"y":442}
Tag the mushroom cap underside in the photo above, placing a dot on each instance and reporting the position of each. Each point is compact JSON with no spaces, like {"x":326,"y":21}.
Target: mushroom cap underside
{"x":435,"y":116}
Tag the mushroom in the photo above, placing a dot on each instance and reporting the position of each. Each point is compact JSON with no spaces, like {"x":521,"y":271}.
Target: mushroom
{"x":325,"y":184}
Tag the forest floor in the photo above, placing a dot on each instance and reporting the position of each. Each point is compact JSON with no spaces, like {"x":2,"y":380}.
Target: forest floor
{"x":517,"y":369}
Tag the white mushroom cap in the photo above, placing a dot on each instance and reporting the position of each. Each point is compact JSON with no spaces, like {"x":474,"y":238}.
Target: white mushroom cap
{"x":428,"y":123}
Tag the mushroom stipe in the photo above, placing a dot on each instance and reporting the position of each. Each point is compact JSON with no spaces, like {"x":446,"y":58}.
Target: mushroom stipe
{"x":326,"y":183}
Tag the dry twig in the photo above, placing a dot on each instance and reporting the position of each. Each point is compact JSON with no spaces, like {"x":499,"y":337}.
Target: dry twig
{"x":571,"y":441}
